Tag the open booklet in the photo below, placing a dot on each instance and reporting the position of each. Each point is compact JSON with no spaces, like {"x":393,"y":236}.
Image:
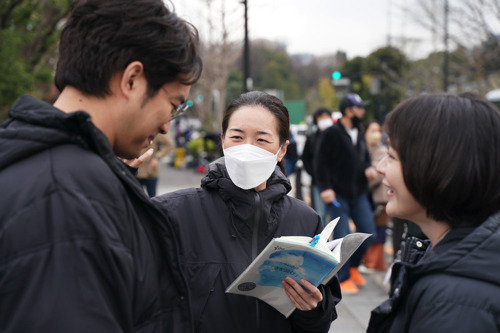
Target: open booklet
{"x":314,"y":259}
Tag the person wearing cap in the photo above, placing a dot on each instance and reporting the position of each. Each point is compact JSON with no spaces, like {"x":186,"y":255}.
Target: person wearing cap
{"x":343,"y":168}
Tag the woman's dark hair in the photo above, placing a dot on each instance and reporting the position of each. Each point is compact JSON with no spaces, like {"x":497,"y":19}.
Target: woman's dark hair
{"x":269,"y":102}
{"x":101,"y":38}
{"x":319,"y":112}
{"x":367,"y":125}
{"x":449,"y":148}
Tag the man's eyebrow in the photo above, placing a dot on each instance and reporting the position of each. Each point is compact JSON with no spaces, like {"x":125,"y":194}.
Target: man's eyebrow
{"x":181,"y":99}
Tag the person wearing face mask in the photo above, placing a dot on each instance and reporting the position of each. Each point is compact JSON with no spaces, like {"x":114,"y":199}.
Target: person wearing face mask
{"x":322,"y":119}
{"x":242,"y":204}
{"x":374,"y":256}
{"x":343,"y":168}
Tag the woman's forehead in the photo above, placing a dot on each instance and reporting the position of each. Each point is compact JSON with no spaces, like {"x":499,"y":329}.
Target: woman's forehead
{"x":255,"y":118}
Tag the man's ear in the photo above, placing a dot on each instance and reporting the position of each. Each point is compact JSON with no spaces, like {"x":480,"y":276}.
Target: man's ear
{"x":348,"y":111}
{"x":282,"y":151}
{"x":130,"y":78}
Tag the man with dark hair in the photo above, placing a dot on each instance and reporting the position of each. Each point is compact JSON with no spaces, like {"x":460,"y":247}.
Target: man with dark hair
{"x":322,"y":119}
{"x":82,"y":248}
{"x":343,"y":166}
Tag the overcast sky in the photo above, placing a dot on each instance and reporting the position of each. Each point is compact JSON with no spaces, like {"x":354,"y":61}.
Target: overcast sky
{"x":319,"y":27}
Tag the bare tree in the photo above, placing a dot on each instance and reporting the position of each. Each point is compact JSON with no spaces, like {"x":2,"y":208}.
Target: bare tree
{"x":219,"y":53}
{"x":470,"y":28}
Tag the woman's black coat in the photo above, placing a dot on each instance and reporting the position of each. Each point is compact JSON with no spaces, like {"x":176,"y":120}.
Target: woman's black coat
{"x":216,"y":224}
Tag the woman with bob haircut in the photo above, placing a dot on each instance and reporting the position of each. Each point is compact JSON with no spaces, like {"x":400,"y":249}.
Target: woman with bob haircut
{"x":241,"y":206}
{"x":443,"y":173}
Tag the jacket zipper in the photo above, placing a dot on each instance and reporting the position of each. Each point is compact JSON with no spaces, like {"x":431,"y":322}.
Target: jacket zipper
{"x":255,"y":244}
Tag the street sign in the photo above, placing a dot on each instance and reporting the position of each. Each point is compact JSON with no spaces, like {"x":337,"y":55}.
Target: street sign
{"x":344,"y":81}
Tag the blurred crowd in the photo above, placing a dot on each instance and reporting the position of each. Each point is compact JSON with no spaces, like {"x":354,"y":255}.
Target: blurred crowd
{"x":340,"y":151}
{"x":331,"y":163}
{"x":85,"y":249}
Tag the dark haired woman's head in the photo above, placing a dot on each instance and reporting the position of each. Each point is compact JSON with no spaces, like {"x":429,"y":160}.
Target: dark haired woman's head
{"x":320,"y":113}
{"x":449,"y":149}
{"x":101,"y":38}
{"x":373,"y":133}
{"x":269,"y":102}
{"x":274,"y":107}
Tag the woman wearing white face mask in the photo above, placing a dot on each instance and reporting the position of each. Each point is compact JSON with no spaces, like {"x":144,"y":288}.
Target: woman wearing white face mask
{"x":374,"y":255}
{"x":322,"y":118}
{"x":243,"y":204}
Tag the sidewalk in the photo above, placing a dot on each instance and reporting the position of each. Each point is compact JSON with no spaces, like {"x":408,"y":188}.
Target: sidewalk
{"x":172,"y":179}
{"x":353,"y":311}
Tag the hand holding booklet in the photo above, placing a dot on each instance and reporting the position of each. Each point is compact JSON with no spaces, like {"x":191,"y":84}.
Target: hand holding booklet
{"x":314,"y":259}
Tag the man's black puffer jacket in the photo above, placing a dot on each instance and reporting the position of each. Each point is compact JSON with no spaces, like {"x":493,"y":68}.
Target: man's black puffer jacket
{"x":82,"y":248}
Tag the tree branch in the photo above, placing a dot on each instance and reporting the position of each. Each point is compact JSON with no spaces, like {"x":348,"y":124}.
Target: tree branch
{"x":5,"y":15}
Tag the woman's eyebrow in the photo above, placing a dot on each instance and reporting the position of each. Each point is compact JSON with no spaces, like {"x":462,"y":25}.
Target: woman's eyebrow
{"x":242,"y":131}
{"x":263,"y":133}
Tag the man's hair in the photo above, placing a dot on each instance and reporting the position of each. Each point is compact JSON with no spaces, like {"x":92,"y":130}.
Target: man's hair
{"x":344,"y":104}
{"x":101,"y":38}
{"x":449,"y":148}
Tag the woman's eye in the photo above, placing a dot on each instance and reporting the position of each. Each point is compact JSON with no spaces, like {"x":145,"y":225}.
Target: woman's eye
{"x":392,"y":157}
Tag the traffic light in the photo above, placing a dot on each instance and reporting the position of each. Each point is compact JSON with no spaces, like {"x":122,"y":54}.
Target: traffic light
{"x":336,"y":75}
{"x":340,"y":82}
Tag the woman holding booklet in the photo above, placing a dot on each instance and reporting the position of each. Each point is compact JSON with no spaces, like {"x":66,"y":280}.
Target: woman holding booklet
{"x":443,"y":173}
{"x":241,"y":206}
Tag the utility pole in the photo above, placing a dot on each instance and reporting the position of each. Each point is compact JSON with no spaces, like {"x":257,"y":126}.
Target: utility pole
{"x":446,"y":55}
{"x":247,"y":80}
{"x":389,"y":17}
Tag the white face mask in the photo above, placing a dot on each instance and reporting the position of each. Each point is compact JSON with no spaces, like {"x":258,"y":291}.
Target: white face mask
{"x":249,"y":166}
{"x":323,"y":124}
{"x":373,"y":138}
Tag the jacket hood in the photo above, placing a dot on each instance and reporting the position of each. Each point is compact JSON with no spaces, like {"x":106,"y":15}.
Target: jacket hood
{"x":242,"y":203}
{"x":34,"y":126}
{"x":474,"y":257}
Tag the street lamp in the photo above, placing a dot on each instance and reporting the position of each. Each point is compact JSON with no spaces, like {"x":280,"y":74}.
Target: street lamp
{"x":247,"y":81}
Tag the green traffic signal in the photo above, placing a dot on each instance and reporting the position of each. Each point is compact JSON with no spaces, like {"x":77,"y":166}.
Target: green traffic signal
{"x":336,"y":75}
